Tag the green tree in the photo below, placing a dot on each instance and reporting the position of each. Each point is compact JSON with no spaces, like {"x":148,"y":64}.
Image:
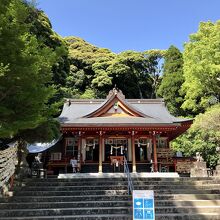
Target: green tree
{"x":131,"y":72}
{"x":172,"y":80}
{"x":94,"y":71}
{"x":203,"y":136}
{"x":85,"y":74}
{"x":25,"y":82}
{"x":41,"y":27}
{"x":202,"y":67}
{"x":25,"y":73}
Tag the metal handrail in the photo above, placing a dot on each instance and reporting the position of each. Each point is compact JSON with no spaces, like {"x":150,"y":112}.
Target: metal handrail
{"x":127,"y":172}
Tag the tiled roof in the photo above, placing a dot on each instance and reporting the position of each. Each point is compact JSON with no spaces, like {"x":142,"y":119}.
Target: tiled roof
{"x":75,"y":110}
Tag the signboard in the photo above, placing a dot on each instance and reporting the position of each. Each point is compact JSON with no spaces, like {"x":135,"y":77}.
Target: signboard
{"x":143,"y":205}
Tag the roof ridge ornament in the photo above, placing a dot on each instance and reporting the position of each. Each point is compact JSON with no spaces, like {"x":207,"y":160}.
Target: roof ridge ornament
{"x":114,"y":92}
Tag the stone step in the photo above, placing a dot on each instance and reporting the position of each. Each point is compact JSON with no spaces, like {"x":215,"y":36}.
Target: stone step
{"x":104,"y":210}
{"x":162,"y":198}
{"x":139,"y":177}
{"x":70,"y":198}
{"x":113,"y":192}
{"x":192,"y":183}
{"x":121,"y":182}
{"x":176,"y":216}
{"x":188,"y":209}
{"x":187,"y":203}
{"x":120,"y":186}
{"x":75,"y":217}
{"x":74,"y":188}
{"x":65,"y":211}
{"x":214,"y":188}
{"x":118,"y":176}
{"x":124,"y":184}
{"x":190,"y":197}
{"x":72,"y":204}
{"x":145,"y":181}
{"x":78,"y":181}
{"x":187,"y":216}
{"x":72,"y":193}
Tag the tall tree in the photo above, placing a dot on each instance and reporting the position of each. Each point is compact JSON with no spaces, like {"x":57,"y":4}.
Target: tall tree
{"x":202,"y":67}
{"x":25,"y":73}
{"x":41,"y":27}
{"x":172,"y":80}
{"x":25,"y":82}
{"x":155,"y":56}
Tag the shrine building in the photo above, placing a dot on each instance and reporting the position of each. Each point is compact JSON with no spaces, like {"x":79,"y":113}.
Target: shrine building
{"x":100,"y":131}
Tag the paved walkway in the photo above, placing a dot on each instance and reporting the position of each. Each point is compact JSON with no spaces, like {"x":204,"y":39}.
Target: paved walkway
{"x":116,"y":175}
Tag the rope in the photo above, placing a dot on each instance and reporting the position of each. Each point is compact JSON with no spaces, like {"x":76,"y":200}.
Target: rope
{"x":117,"y":147}
{"x":8,"y":160}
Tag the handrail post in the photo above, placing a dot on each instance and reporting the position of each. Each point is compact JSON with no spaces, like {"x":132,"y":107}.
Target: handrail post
{"x":126,"y":170}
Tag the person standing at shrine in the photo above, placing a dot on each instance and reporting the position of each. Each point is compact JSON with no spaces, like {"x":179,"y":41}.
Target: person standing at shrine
{"x":74,"y":164}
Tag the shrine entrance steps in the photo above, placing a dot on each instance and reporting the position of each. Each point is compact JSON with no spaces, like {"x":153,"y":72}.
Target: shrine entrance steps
{"x":95,"y":197}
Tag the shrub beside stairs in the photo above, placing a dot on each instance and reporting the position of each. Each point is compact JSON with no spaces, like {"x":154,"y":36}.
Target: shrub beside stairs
{"x":106,"y":198}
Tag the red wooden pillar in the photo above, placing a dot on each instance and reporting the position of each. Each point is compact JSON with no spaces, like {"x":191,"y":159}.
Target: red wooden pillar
{"x":133,"y":152}
{"x":100,"y":151}
{"x":155,"y":152}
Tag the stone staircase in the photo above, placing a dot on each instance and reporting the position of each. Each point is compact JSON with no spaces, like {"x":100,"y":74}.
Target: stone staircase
{"x":86,"y":198}
{"x":106,"y":198}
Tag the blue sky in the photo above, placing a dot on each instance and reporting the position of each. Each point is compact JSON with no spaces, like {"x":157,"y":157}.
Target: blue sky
{"x":121,"y":25}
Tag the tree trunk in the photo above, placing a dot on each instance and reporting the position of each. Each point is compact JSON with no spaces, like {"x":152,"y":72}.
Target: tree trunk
{"x":155,"y":78}
{"x":139,"y":90}
{"x":22,"y":168}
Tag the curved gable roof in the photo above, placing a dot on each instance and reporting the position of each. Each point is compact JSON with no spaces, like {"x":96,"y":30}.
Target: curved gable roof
{"x":142,"y":112}
{"x":112,"y":99}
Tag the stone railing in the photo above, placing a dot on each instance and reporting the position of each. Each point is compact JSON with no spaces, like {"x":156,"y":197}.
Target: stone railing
{"x":8,"y":160}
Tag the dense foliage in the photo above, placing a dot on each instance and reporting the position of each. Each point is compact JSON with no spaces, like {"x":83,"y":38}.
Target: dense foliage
{"x":202,"y":67}
{"x":202,"y":90}
{"x":41,"y":27}
{"x":94,"y":71}
{"x":25,"y":73}
{"x":203,"y":136}
{"x":82,"y":56}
